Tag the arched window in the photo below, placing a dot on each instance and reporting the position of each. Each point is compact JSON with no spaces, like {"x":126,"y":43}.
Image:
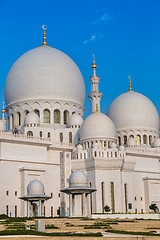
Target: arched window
{"x":95,"y":154}
{"x":150,"y":139}
{"x":46,"y":116}
{"x":131,"y":136}
{"x":65,"y":117}
{"x":70,"y":137}
{"x":29,"y":134}
{"x":11,"y":121}
{"x":8,"y":123}
{"x":49,"y":134}
{"x":125,"y":197}
{"x":144,"y":139}
{"x":138,"y":139}
{"x":112,"y":198}
{"x":119,"y":141}
{"x":61,"y":137}
{"x":105,"y":144}
{"x":90,"y":184}
{"x":125,"y":139}
{"x":18,"y":119}
{"x":40,"y":134}
{"x":100,"y":144}
{"x":56,"y":116}
{"x":37,"y":112}
{"x":102,"y":191}
{"x":25,"y":113}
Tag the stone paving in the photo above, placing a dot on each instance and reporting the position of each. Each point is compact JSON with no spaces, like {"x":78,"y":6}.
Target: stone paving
{"x":78,"y":225}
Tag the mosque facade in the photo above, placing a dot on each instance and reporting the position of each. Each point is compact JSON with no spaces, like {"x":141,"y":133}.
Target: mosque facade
{"x":52,"y":162}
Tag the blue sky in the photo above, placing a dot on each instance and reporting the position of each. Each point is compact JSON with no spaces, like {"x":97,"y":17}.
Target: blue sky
{"x":124,"y":35}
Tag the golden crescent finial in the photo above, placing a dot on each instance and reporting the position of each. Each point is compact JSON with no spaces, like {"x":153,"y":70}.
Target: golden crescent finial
{"x":44,"y":27}
{"x":130,"y":86}
{"x":44,"y":35}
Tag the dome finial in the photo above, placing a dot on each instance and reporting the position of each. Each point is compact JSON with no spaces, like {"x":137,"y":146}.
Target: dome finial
{"x":94,"y":66}
{"x":44,"y":35}
{"x":3,"y":111}
{"x":130,"y":87}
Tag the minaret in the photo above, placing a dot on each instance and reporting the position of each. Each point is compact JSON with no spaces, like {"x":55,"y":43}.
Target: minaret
{"x":3,"y":121}
{"x":95,"y":96}
{"x":3,"y":111}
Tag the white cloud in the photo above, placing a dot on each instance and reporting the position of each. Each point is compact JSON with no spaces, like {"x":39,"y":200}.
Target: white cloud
{"x":93,"y":38}
{"x":104,"y":18}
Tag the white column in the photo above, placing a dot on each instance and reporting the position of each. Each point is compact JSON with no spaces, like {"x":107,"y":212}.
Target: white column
{"x":61,"y":117}
{"x":41,"y":116}
{"x":88,"y":204}
{"x":51,"y":116}
{"x":38,"y":210}
{"x":30,"y":210}
{"x":84,"y":204}
{"x":27,"y":209}
{"x":70,"y":205}
{"x":42,"y":209}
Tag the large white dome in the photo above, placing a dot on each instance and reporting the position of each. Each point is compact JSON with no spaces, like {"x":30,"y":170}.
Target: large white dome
{"x":133,"y":110}
{"x":44,"y":73}
{"x":97,"y":126}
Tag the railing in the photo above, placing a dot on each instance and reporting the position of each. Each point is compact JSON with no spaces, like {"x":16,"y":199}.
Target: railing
{"x":21,"y":136}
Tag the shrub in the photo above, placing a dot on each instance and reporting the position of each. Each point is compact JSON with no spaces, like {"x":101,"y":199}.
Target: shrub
{"x":107,"y":208}
{"x":153,"y":207}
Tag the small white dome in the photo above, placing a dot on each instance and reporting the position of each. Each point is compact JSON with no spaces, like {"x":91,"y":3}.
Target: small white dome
{"x":121,"y":148}
{"x":79,"y":147}
{"x":32,"y":118}
{"x":97,"y":126}
{"x":156,"y":143}
{"x":133,"y":110}
{"x":44,"y":73}
{"x":75,"y":120}
{"x":95,"y":145}
{"x":35,"y":187}
{"x":131,"y":142}
{"x":78,"y":179}
{"x":113,"y":145}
